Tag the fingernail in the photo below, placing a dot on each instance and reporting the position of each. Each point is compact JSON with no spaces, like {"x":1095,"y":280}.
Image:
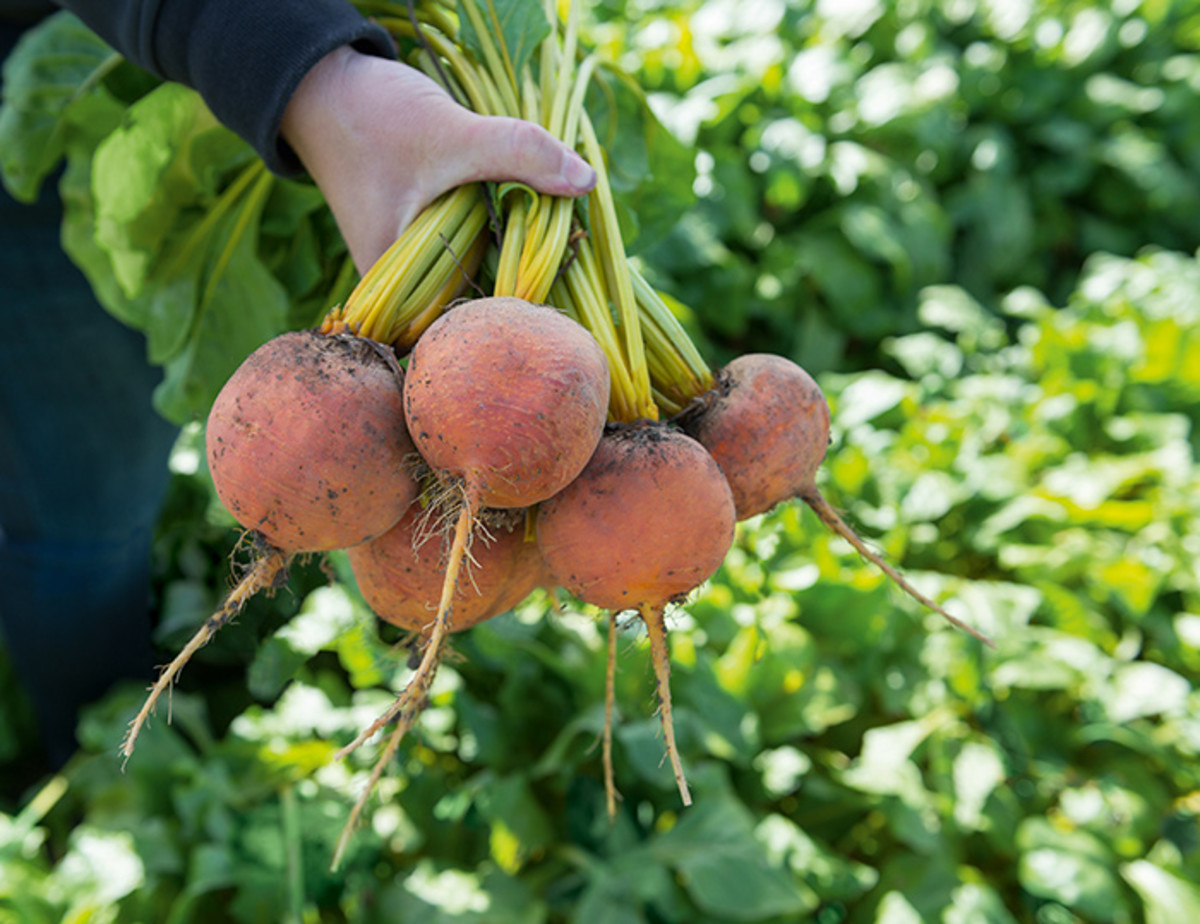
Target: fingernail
{"x":578,"y":173}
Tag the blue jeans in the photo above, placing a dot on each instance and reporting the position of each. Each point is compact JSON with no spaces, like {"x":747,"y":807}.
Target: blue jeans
{"x":83,"y":471}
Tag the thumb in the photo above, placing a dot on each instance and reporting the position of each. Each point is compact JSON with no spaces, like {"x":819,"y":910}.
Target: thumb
{"x":469,"y":147}
{"x":501,"y":148}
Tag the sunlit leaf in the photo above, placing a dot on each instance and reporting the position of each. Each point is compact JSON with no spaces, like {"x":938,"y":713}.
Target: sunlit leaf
{"x":978,"y":770}
{"x":101,"y":867}
{"x":1072,"y":867}
{"x":1142,"y":689}
{"x":1169,"y":899}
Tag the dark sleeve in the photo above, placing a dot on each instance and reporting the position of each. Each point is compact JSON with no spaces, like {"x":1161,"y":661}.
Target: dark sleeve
{"x":244,"y":57}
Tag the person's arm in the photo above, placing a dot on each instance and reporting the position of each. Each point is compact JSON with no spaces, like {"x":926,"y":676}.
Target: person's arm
{"x":316,"y":85}
{"x":244,"y":57}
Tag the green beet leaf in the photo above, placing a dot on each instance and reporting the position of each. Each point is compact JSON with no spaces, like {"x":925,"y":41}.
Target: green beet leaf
{"x":651,"y":171}
{"x":51,"y":89}
{"x":724,"y":868}
{"x":145,"y":176}
{"x":518,"y":26}
{"x":238,"y":307}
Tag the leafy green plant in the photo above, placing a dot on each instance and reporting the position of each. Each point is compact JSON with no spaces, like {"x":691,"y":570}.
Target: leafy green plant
{"x":851,"y":155}
{"x":1022,"y":439}
{"x":851,"y":758}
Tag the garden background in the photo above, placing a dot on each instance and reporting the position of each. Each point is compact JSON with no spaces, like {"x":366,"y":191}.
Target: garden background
{"x":977,"y":223}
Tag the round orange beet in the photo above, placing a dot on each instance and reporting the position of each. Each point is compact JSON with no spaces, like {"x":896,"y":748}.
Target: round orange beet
{"x":401,"y":573}
{"x":767,"y":426}
{"x":307,"y":443}
{"x":649,"y":519}
{"x":508,"y":396}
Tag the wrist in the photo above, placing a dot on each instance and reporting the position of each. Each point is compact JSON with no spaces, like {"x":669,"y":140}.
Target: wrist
{"x":310,"y":111}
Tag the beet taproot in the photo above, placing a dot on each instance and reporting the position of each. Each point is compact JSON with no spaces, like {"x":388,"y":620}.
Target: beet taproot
{"x":506,"y":401}
{"x":308,"y":449}
{"x":648,"y":520}
{"x":766,"y":423}
{"x":400,"y":574}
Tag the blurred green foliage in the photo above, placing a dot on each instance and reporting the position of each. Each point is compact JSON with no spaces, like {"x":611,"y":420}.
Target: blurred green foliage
{"x":852,"y":154}
{"x":948,"y":208}
{"x":852,"y":757}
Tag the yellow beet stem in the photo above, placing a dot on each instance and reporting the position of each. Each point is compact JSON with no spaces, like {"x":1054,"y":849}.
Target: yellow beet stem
{"x":449,"y":271}
{"x":544,"y":246}
{"x":448,"y":81}
{"x":544,"y":227}
{"x":666,"y":371}
{"x":575,"y":109}
{"x":550,"y":223}
{"x":561,"y":299}
{"x":548,"y":72}
{"x":582,"y":286}
{"x":667,"y":405}
{"x":465,"y":269}
{"x":556,"y":94}
{"x":256,"y":199}
{"x":676,"y":367}
{"x":508,"y":268}
{"x":615,"y":267}
{"x":449,"y":257}
{"x":587,"y":287}
{"x":482,"y":92}
{"x":378,"y":287}
{"x":438,"y":15}
{"x":228,"y":198}
{"x":539,"y":224}
{"x":479,"y":91}
{"x":531,"y":105}
{"x":535,"y":238}
{"x":654,"y":309}
{"x":508,"y":69}
{"x":495,"y":98}
{"x":424,"y":260}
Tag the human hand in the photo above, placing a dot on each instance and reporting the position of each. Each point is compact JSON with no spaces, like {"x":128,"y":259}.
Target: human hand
{"x":382,"y":141}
